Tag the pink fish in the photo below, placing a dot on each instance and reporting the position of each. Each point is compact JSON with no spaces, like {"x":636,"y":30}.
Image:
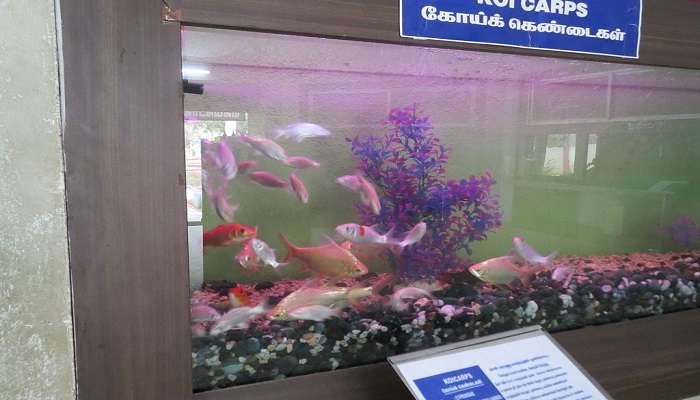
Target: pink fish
{"x":301,"y":162}
{"x":369,"y":196}
{"x":222,"y":205}
{"x":299,"y":188}
{"x":244,"y":166}
{"x":226,"y":161}
{"x":267,"y":179}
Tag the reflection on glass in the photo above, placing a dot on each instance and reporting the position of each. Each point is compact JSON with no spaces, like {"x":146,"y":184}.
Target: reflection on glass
{"x":361,"y":200}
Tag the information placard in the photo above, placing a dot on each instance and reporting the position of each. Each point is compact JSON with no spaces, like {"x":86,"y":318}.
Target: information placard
{"x":603,"y":27}
{"x":526,"y":364}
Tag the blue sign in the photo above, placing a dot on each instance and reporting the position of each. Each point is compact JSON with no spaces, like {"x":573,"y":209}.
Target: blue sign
{"x":604,"y":27}
{"x":468,"y":383}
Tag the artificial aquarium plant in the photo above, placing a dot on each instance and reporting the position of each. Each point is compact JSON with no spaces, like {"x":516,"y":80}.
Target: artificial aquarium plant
{"x":407,"y":165}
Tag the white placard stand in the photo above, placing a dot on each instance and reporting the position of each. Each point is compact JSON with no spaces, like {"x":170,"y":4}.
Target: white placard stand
{"x":523,"y":364}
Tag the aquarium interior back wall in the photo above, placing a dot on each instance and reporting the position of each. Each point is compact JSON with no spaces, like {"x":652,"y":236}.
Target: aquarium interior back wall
{"x":589,"y":158}
{"x":451,"y":194}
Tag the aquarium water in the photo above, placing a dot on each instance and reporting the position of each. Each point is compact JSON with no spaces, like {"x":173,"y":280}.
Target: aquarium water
{"x":349,"y":201}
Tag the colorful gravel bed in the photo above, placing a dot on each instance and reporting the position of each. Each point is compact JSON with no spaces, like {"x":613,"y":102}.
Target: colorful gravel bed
{"x":601,"y":290}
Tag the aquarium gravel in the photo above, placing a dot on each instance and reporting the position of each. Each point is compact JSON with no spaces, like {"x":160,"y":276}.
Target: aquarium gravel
{"x":602,"y":289}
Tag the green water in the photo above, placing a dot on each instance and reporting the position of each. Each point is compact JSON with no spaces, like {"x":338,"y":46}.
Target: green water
{"x":589,"y":158}
{"x":607,"y":209}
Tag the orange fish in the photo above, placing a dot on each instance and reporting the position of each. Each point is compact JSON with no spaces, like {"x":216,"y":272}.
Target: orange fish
{"x":238,"y":297}
{"x":228,"y":235}
{"x":329,"y":260}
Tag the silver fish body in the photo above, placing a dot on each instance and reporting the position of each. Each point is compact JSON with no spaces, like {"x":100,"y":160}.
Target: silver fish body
{"x":265,"y":253}
{"x":301,"y":131}
{"x":237,"y":318}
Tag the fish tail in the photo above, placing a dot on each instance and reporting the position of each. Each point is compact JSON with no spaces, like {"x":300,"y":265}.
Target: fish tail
{"x":550,"y":259}
{"x":291,"y":249}
{"x":357,"y":294}
{"x":262,"y":307}
{"x":388,"y":281}
{"x":397,"y":247}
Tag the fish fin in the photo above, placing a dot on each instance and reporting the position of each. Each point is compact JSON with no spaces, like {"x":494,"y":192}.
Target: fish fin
{"x":262,"y":307}
{"x":331,"y":241}
{"x":388,"y":233}
{"x":550,"y":259}
{"x":397,"y":248}
{"x":291,"y":249}
{"x":280,"y":264}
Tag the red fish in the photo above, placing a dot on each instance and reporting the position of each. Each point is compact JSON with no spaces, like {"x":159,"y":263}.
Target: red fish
{"x":299,"y":188}
{"x":267,"y":179}
{"x":228,"y":235}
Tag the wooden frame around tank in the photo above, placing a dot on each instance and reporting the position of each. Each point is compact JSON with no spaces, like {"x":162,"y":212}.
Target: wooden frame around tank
{"x":123,"y":143}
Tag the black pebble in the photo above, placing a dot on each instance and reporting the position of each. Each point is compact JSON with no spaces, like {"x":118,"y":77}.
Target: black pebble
{"x":264,"y":285}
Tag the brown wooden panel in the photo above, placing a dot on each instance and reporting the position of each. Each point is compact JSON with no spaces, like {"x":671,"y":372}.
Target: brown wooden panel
{"x":650,"y":358}
{"x":124,"y":152}
{"x":670,"y":34}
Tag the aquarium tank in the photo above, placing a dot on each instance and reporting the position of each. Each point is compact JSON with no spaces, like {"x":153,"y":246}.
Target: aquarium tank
{"x":350,"y":201}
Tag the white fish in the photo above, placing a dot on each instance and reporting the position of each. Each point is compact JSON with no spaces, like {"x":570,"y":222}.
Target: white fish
{"x":226,"y":161}
{"x":265,"y":253}
{"x":266,"y":147}
{"x":527,"y":254}
{"x":414,"y":235}
{"x":301,"y":131}
{"x":301,"y":162}
{"x":399,"y":298}
{"x":248,"y":259}
{"x":203,"y":313}
{"x":316,"y":313}
{"x":363,"y":234}
{"x":223,"y":207}
{"x":244,"y":166}
{"x":238,"y":318}
{"x":299,"y":188}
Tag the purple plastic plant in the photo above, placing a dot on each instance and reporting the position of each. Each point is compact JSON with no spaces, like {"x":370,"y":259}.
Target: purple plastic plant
{"x":407,"y":166}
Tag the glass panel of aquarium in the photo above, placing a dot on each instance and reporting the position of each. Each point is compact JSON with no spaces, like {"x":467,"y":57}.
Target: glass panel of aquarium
{"x":349,"y":201}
